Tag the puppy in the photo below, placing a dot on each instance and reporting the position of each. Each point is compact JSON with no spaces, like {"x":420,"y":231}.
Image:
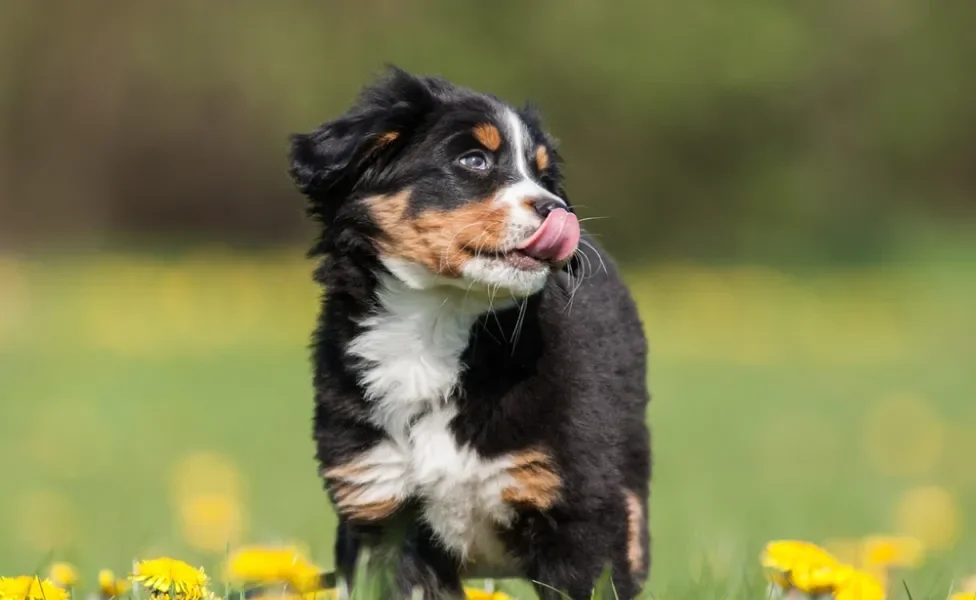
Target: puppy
{"x":479,"y":365}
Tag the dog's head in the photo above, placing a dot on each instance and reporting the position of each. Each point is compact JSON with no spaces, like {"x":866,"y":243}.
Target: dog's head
{"x":442,"y":184}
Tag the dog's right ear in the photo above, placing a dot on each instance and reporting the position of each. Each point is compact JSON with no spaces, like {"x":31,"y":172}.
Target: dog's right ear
{"x":327,"y":163}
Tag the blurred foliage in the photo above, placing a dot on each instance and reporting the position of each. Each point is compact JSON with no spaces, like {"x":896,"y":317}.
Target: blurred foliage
{"x":749,"y":129}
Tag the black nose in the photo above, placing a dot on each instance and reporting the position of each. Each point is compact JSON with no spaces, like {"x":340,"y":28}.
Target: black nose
{"x":544,"y":206}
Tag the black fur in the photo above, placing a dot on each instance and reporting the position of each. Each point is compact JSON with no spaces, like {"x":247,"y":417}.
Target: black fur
{"x":574,"y":380}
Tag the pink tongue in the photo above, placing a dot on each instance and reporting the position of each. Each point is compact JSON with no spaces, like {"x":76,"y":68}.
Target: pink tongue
{"x":556,"y":239}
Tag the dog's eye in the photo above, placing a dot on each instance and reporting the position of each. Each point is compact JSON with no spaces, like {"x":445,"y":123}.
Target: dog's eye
{"x":476,"y":160}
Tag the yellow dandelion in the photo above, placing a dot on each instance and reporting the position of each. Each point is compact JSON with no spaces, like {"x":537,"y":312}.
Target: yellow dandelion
{"x":278,"y":594}
{"x":963,"y":596}
{"x":882,"y":551}
{"x":63,"y":575}
{"x":110,"y":586}
{"x":859,"y":585}
{"x":476,"y":594}
{"x":791,"y":563}
{"x":819,"y":578}
{"x":28,"y":587}
{"x":329,"y":594}
{"x":257,"y":565}
{"x":161,"y":576}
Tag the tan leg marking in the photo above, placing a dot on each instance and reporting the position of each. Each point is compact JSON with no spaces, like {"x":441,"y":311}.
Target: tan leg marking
{"x":635,"y":525}
{"x":536,"y":482}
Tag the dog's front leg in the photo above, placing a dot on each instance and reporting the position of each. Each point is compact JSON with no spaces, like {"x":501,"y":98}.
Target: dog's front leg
{"x":372,"y":491}
{"x":567,"y":560}
{"x":403,"y":557}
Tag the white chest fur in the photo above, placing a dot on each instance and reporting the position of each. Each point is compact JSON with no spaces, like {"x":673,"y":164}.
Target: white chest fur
{"x":411,"y":350}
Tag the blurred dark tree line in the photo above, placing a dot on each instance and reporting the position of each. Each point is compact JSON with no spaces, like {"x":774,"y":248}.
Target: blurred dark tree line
{"x":705,"y":129}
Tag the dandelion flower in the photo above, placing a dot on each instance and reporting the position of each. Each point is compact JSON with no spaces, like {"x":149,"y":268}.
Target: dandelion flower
{"x":476,"y":594}
{"x":109,"y":586}
{"x":161,"y":576}
{"x":817,"y":579}
{"x":805,"y":566}
{"x":324,"y":594}
{"x":879,"y":551}
{"x":859,"y":586}
{"x":63,"y":575}
{"x":256,"y":565}
{"x":29,"y":587}
{"x":809,"y":569}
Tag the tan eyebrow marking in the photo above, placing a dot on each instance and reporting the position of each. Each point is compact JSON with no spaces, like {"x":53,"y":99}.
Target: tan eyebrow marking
{"x":541,"y":157}
{"x":488,"y":135}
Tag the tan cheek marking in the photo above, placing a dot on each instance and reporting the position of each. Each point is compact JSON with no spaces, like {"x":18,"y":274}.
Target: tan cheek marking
{"x":536,"y":482}
{"x":542,"y":158}
{"x":442,"y":241}
{"x":489,"y":136}
{"x":347,"y":494}
{"x":635,"y":523}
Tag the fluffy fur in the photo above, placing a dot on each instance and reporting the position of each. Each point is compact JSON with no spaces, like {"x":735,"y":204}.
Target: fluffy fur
{"x":490,"y":404}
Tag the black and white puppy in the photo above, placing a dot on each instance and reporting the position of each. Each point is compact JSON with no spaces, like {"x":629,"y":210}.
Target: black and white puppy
{"x":480,"y":367}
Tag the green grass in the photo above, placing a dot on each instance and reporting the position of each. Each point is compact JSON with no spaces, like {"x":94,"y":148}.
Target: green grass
{"x":785,"y":406}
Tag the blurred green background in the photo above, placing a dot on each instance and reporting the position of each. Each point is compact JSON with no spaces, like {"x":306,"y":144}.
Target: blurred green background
{"x":789,"y":186}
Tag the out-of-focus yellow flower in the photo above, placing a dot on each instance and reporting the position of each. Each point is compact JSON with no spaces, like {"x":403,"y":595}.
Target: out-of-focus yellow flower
{"x":819,"y":578}
{"x":858,"y":585}
{"x":63,"y":575}
{"x":30,"y":587}
{"x":929,"y":514}
{"x":257,"y":565}
{"x":883,"y":551}
{"x":110,"y":586}
{"x":161,"y":576}
{"x":329,"y":594}
{"x":963,"y":596}
{"x":210,"y":522}
{"x":805,"y":566}
{"x":877,"y":554}
{"x":476,"y":594}
{"x":44,"y":519}
{"x":903,"y":435}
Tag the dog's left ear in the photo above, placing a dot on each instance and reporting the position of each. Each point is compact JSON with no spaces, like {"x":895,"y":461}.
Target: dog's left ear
{"x":327,"y":163}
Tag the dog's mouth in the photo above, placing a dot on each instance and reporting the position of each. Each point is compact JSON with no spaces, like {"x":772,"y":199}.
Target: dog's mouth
{"x":516,"y":258}
{"x":552,"y":244}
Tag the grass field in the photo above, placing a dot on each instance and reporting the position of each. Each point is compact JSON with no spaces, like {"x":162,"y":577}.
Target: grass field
{"x":161,"y":406}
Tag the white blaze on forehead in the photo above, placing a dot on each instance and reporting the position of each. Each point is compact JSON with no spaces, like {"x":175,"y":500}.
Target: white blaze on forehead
{"x":526,"y":187}
{"x":518,"y":135}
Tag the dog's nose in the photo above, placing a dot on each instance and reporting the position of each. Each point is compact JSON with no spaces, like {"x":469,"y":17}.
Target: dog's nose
{"x":545,"y":205}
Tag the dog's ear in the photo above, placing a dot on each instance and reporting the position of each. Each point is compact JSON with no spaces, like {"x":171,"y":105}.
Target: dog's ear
{"x":327,"y":163}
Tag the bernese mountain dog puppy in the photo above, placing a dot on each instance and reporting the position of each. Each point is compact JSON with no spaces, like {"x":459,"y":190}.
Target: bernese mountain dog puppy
{"x":479,"y":365}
